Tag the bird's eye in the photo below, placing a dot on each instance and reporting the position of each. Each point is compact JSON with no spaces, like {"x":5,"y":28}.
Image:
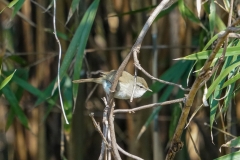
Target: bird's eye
{"x":140,"y":86}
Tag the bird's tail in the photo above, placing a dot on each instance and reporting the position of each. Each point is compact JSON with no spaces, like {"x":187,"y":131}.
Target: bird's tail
{"x":95,"y":80}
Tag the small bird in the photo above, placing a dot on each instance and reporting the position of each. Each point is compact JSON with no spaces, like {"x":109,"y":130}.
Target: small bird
{"x":124,"y":87}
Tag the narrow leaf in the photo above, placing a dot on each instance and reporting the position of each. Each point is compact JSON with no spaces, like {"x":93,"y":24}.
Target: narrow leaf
{"x":187,"y":13}
{"x":73,"y":8}
{"x":231,"y":80}
{"x":231,"y":51}
{"x":17,"y":7}
{"x":15,"y":105}
{"x":220,"y":77}
{"x":27,"y":86}
{"x":6,"y":80}
{"x":85,"y":26}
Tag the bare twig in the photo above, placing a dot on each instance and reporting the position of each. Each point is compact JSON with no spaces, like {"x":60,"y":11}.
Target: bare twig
{"x":59,"y":58}
{"x":128,"y":154}
{"x":91,"y":92}
{"x":136,"y":62}
{"x":136,"y":47}
{"x":112,"y":133}
{"x":195,"y":147}
{"x":222,"y":121}
{"x":220,"y":130}
{"x":105,"y":128}
{"x":98,"y":129}
{"x":149,"y":106}
{"x":89,"y":50}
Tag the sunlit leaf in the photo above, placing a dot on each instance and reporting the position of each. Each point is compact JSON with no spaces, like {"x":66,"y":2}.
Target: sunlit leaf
{"x":74,"y":6}
{"x":220,"y":24}
{"x":220,"y":77}
{"x":10,"y":5}
{"x":17,"y":7}
{"x":187,"y":13}
{"x":231,"y":51}
{"x":6,"y":80}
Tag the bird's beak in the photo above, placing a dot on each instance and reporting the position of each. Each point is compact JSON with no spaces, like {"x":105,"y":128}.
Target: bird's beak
{"x":149,"y":90}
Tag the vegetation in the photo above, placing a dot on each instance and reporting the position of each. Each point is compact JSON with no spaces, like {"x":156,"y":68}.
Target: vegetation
{"x":187,"y":51}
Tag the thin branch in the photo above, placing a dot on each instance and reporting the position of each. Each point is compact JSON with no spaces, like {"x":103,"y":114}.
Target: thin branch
{"x":222,"y":121}
{"x":105,"y":128}
{"x":128,"y":154}
{"x":112,"y":133}
{"x":136,"y":46}
{"x":145,"y":47}
{"x":59,"y":58}
{"x":194,"y":145}
{"x":220,"y":130}
{"x":149,"y":106}
{"x":136,"y":62}
{"x":99,"y":129}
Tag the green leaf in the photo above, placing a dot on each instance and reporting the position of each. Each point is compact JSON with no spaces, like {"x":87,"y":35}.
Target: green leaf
{"x":210,"y":42}
{"x":17,"y":7}
{"x":231,"y":80}
{"x":166,"y":11}
{"x":212,"y":17}
{"x":27,"y":86}
{"x":187,"y":13}
{"x":6,"y":80}
{"x":74,"y":5}
{"x":11,"y":4}
{"x":220,"y":77}
{"x":231,"y":156}
{"x":220,"y":24}
{"x":85,"y":27}
{"x":231,"y":51}
{"x":217,"y":93}
{"x":15,"y":105}
{"x":76,"y":40}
